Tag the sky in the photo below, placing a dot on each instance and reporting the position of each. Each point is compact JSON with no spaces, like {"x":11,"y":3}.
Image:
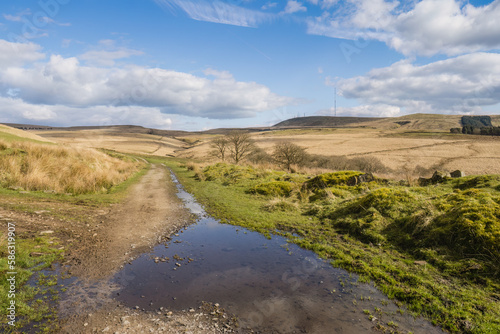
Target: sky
{"x":198,"y":64}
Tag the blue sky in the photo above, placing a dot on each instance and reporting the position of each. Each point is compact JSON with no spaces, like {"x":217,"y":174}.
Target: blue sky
{"x":199,"y":64}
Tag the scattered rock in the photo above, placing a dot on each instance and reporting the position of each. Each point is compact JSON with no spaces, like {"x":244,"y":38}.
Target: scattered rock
{"x":36,"y":254}
{"x":457,"y":174}
{"x":47,"y":232}
{"x":420,"y":263}
{"x":363,"y":178}
{"x":439,"y":176}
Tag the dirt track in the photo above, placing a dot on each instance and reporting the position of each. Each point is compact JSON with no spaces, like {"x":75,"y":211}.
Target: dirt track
{"x":150,"y":212}
{"x":100,"y":241}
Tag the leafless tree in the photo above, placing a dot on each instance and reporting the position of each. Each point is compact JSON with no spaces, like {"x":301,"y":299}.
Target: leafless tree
{"x":286,"y":154}
{"x":240,"y":144}
{"x":220,"y":145}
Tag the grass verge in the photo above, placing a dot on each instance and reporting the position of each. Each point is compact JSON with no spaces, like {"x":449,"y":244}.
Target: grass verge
{"x":32,"y":255}
{"x":434,"y":249}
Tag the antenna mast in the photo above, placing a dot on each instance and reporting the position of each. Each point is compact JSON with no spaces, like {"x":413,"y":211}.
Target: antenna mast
{"x":335,"y":101}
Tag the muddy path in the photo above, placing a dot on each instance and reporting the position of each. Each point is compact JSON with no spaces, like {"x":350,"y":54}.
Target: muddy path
{"x":150,"y":212}
{"x":98,"y":240}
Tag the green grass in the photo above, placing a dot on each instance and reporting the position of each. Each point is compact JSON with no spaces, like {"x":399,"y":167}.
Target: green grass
{"x":27,"y":310}
{"x":8,"y":137}
{"x":436,"y":249}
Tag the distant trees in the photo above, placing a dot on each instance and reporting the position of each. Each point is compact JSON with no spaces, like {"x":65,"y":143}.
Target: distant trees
{"x":477,"y":125}
{"x":219,"y":145}
{"x":237,"y":143}
{"x":476,"y":121}
{"x":240,"y":144}
{"x":286,"y":154}
{"x":472,"y":130}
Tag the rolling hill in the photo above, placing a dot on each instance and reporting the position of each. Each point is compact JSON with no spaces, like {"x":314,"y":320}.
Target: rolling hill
{"x":413,"y":122}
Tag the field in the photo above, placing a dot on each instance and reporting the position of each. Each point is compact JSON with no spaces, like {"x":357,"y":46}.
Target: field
{"x":399,"y":150}
{"x":422,"y":144}
{"x":116,"y":140}
{"x":81,"y":197}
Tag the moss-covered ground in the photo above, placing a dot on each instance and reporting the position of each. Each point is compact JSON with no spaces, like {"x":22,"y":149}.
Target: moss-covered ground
{"x":435,"y":249}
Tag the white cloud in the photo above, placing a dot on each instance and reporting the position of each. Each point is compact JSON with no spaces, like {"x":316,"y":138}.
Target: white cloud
{"x":18,"y":54}
{"x":18,"y":17}
{"x":425,"y":27}
{"x":269,"y":5}
{"x":107,"y":52}
{"x":12,"y":18}
{"x":216,"y":12}
{"x":463,"y":84}
{"x":18,"y":111}
{"x":294,"y":7}
{"x":66,"y":82}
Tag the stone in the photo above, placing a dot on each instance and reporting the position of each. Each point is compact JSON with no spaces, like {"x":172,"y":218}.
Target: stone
{"x":36,"y":254}
{"x":439,"y":176}
{"x":363,"y":178}
{"x":456,"y":174}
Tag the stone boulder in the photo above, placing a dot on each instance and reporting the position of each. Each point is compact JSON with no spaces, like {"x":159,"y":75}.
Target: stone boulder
{"x":439,"y":177}
{"x":457,"y":174}
{"x":363,"y":178}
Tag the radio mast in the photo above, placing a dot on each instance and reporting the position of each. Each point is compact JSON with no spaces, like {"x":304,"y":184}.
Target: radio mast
{"x":335,"y":101}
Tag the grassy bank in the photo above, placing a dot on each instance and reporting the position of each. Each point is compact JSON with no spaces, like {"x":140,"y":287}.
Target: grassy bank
{"x":435,"y":249}
{"x":33,"y":167}
{"x":46,"y":182}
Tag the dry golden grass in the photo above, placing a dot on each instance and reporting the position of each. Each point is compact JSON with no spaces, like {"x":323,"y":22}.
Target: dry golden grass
{"x":134,"y":143}
{"x":35,"y":167}
{"x":399,"y":151}
{"x":21,"y":134}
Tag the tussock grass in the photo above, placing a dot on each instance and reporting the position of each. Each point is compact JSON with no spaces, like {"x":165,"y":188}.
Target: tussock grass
{"x":38,"y":167}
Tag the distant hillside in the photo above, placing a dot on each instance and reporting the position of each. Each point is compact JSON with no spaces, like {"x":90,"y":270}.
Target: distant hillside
{"x":325,"y":121}
{"x":11,"y":133}
{"x":118,"y":129}
{"x":413,"y":122}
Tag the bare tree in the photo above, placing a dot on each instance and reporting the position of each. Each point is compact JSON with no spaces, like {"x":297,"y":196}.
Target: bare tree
{"x":286,"y":154}
{"x":220,"y":145}
{"x":240,"y":144}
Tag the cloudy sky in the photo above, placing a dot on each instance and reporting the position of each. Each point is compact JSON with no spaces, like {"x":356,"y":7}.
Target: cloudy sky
{"x":199,"y":64}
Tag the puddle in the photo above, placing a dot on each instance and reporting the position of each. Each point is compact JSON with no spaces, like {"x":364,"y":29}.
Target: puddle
{"x":271,"y":286}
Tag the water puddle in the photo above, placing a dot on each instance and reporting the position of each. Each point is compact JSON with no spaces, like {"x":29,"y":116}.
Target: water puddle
{"x":271,"y":286}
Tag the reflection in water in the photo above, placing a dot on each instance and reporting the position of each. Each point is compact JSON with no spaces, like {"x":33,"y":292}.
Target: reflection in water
{"x":271,"y":286}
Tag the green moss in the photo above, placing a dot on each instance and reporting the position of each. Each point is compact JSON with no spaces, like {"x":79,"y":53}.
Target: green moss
{"x":273,"y":188}
{"x":483,"y":181}
{"x":469,"y":226}
{"x":229,"y":174}
{"x":331,"y":179}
